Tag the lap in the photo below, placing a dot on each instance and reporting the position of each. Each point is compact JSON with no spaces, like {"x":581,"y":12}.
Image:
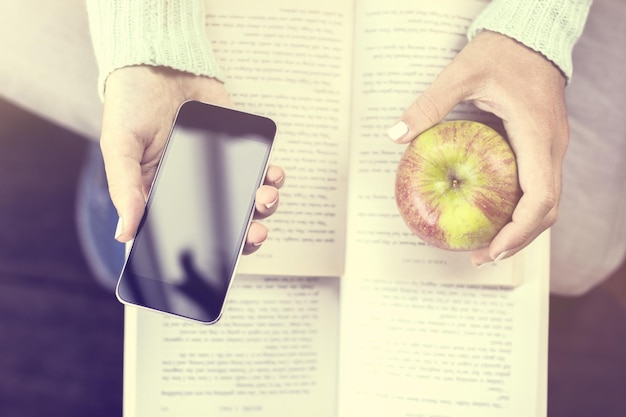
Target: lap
{"x":48,"y":67}
{"x":47,"y":63}
{"x":589,"y":239}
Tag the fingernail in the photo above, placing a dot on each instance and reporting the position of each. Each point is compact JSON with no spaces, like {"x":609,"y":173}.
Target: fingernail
{"x":119,"y":228}
{"x":397,"y":131}
{"x":257,"y":244}
{"x":498,"y":258}
{"x":278,"y":180}
{"x":270,"y":205}
{"x":501,"y":256}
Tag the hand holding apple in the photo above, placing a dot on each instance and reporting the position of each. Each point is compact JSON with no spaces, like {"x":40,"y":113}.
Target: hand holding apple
{"x":527,"y":92}
{"x":456,"y":185}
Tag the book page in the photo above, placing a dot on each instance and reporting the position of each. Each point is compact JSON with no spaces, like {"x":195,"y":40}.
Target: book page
{"x":293,"y":64}
{"x":411,"y":347}
{"x":274,"y":352}
{"x":400,"y":47}
{"x":420,"y":333}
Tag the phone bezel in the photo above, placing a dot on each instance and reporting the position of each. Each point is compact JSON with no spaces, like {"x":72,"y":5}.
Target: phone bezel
{"x":156,"y":284}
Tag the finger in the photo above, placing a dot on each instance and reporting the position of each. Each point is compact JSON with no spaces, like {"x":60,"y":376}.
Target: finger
{"x":432,"y":106}
{"x":530,"y":214}
{"x":126,"y":184}
{"x":275,"y":176}
{"x":257,"y":234}
{"x":266,"y":201}
{"x":483,"y":256}
{"x":539,"y":160}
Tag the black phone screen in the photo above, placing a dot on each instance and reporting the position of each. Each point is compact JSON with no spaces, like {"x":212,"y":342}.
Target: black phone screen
{"x":186,"y":249}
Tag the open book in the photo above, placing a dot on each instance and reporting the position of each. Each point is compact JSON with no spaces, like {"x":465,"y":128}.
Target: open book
{"x":344,"y":312}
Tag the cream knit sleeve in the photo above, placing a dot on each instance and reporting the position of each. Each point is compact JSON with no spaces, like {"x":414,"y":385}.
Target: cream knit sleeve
{"x":167,"y":33}
{"x":550,"y":27}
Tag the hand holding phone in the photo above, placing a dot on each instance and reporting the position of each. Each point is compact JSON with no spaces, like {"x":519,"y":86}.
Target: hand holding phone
{"x":199,"y":208}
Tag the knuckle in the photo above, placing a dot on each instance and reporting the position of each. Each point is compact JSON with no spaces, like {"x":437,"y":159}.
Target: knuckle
{"x":548,"y":204}
{"x":525,"y":236}
{"x":552,"y":217}
{"x":548,"y":201}
{"x":428,"y":109}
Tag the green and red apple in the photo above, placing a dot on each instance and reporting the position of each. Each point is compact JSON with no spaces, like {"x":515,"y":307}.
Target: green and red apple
{"x":457,"y":185}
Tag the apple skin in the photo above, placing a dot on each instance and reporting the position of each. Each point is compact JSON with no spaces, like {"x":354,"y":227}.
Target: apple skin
{"x":457,"y":185}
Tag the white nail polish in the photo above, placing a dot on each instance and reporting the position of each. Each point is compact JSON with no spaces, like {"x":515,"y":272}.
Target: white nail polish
{"x":397,"y":131}
{"x":257,"y":244}
{"x":119,"y":228}
{"x":270,"y":205}
{"x":501,"y":256}
{"x":278,"y":180}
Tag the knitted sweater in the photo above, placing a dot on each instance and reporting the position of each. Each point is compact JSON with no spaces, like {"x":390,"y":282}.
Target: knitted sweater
{"x":172,"y":32}
{"x":550,"y":27}
{"x":167,"y":33}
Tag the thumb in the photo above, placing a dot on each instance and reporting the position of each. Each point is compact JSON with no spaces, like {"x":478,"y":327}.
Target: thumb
{"x":126,"y":187}
{"x":430,"y":108}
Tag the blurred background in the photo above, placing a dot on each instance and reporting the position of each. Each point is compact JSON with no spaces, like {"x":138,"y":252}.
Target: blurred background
{"x":61,"y":331}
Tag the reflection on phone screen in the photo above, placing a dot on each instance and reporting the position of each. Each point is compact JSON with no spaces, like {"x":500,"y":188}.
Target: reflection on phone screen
{"x":186,"y":249}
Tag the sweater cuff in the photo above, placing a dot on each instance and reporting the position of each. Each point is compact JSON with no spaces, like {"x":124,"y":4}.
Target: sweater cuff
{"x":167,"y":33}
{"x":550,"y":27}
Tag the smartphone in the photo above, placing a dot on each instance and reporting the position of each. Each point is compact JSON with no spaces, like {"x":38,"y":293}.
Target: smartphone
{"x":201,"y":202}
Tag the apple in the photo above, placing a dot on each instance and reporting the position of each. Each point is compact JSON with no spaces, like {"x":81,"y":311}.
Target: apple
{"x":457,"y":185}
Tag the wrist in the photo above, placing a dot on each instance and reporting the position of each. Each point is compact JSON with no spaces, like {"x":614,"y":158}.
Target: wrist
{"x":550,"y":27}
{"x":150,"y":32}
